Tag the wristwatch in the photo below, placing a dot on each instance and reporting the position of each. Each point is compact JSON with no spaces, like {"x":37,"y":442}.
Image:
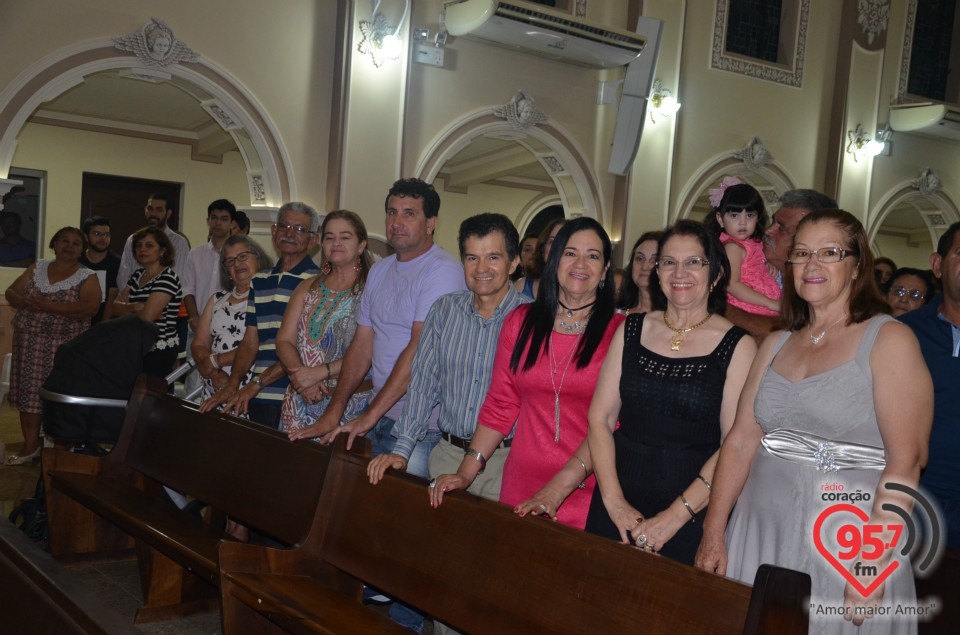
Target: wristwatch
{"x":258,"y":380}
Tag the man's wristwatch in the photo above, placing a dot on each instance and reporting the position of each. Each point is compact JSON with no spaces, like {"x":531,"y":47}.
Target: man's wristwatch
{"x":258,"y":380}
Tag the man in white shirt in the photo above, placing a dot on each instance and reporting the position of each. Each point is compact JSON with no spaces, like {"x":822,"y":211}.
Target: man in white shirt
{"x":157,"y":212}
{"x":201,"y":277}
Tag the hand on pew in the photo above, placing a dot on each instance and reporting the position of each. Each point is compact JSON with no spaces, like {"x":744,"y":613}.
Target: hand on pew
{"x":544,"y":503}
{"x":447,"y":483}
{"x":218,"y":398}
{"x":659,"y":529}
{"x":712,"y":553}
{"x":379,"y":466}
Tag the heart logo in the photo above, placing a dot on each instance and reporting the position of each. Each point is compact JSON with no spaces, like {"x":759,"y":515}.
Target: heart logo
{"x":842,"y":508}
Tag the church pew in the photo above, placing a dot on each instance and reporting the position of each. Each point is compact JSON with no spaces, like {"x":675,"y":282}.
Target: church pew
{"x":238,"y":468}
{"x":476,"y":566}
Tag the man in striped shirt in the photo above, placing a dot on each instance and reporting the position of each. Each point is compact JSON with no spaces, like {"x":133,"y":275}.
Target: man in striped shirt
{"x":294,"y":235}
{"x":454,"y":360}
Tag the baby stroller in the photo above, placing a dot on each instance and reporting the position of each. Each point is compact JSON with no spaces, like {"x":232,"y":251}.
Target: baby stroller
{"x":85,"y":397}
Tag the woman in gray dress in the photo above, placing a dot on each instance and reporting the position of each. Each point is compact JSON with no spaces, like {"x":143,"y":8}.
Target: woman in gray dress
{"x":832,"y":410}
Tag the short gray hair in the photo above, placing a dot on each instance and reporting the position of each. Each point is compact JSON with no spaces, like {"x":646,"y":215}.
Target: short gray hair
{"x":241,"y":239}
{"x":302,"y":208}
{"x":810,"y":200}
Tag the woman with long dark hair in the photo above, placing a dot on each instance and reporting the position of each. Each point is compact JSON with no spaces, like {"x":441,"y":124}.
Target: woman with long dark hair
{"x":546,"y":367}
{"x":635,"y":288}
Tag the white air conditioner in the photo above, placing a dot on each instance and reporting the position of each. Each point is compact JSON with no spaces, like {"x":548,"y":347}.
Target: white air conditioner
{"x":928,"y":119}
{"x":536,"y":29}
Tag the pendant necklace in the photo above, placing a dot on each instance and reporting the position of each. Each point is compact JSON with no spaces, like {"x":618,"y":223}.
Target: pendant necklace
{"x":577,"y":326}
{"x":677,"y":339}
{"x":554,"y":370}
{"x":815,"y":339}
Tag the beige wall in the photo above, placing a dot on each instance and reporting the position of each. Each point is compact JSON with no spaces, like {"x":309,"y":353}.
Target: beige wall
{"x":65,"y":154}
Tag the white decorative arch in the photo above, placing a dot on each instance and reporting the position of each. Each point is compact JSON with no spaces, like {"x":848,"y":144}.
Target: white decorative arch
{"x":269,"y":171}
{"x":576,"y":183}
{"x":719,"y":166}
{"x":937,"y":220}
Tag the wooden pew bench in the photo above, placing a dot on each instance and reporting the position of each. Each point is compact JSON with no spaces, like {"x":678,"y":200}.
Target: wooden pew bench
{"x":38,"y":596}
{"x":240,"y":469}
{"x":476,"y":566}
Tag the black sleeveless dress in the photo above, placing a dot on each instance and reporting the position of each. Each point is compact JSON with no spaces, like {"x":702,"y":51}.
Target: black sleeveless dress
{"x":669,"y":427}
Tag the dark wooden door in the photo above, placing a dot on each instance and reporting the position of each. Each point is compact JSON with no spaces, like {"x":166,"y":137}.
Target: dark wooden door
{"x":122,"y":199}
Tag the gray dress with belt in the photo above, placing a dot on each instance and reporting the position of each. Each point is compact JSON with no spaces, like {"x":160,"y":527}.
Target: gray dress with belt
{"x":821,"y":441}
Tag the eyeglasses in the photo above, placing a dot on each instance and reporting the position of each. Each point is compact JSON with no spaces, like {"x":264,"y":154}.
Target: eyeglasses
{"x":825,"y":255}
{"x":913,"y":294}
{"x":670,"y":264}
{"x":241,"y":257}
{"x":299,"y":230}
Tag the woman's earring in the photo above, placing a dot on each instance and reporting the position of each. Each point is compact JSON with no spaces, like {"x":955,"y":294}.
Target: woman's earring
{"x":357,"y":267}
{"x":326,"y":268}
{"x":602,"y":282}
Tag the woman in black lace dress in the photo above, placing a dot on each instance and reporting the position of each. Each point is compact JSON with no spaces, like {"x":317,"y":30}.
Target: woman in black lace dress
{"x":671,"y":379}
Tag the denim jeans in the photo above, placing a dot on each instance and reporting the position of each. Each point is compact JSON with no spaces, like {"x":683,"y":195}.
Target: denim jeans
{"x":382,"y":441}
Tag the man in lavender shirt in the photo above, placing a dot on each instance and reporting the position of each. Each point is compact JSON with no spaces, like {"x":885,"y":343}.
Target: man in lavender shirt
{"x":399,"y":292}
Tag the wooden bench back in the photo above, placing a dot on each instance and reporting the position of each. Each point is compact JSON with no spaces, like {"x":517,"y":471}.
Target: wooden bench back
{"x":478,"y":567}
{"x":254,"y":474}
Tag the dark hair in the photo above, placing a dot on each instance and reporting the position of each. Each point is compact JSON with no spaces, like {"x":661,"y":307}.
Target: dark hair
{"x":946,"y":241}
{"x":242,"y":220}
{"x":94,"y":221}
{"x":361,"y":231}
{"x":252,"y":245}
{"x":629,"y":291}
{"x":68,"y":230}
{"x":225,"y":205}
{"x":810,"y":200}
{"x":738,"y":198}
{"x":910,"y":271}
{"x":540,"y":258}
{"x":162,"y":196}
{"x":719,"y":265}
{"x":865,"y":299}
{"x":483,"y":225}
{"x":415,"y":188}
{"x":537,"y":325}
{"x":883,"y":260}
{"x":168,"y":253}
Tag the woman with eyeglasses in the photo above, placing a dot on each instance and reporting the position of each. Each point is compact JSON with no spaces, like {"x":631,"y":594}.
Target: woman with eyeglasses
{"x":835,"y":408}
{"x":223,"y":321}
{"x":320,"y":321}
{"x":909,"y":289}
{"x":634,"y":296}
{"x":671,"y":380}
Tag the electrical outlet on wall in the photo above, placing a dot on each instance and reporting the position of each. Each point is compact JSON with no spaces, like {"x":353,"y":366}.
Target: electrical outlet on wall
{"x":429,"y":54}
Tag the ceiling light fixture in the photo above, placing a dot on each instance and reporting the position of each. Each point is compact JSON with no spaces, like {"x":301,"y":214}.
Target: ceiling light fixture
{"x":381,"y":41}
{"x":662,"y":102}
{"x":863,"y":144}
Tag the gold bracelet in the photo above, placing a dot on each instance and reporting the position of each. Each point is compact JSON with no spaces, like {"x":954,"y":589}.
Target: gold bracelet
{"x":586,"y":473}
{"x":705,"y":481}
{"x":693,"y":516}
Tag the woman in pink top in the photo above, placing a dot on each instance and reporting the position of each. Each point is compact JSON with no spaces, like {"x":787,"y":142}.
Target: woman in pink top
{"x":545,"y":372}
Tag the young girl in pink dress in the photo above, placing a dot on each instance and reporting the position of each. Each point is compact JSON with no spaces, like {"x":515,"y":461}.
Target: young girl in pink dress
{"x":739,"y":220}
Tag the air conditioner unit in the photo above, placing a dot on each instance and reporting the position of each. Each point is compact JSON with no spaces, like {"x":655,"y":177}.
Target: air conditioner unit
{"x":535,"y":29}
{"x":928,"y":119}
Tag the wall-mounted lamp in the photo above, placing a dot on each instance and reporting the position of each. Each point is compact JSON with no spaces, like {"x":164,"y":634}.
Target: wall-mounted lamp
{"x":662,"y":102}
{"x":381,"y":41}
{"x":862,"y":144}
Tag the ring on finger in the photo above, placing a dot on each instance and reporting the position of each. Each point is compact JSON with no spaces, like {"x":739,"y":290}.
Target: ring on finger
{"x":433,"y":483}
{"x":544,"y":508}
{"x":641,"y":539}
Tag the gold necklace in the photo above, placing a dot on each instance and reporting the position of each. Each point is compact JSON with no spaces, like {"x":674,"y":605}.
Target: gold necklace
{"x":815,"y":339}
{"x":677,"y":339}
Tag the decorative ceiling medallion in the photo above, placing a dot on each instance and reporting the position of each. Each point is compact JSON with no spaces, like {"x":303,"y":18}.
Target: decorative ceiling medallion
{"x":928,"y":183}
{"x":155,"y":46}
{"x":754,"y":155}
{"x":872,"y":16}
{"x":521,"y":112}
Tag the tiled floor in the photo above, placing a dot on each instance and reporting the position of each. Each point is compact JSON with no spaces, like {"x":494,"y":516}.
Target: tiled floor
{"x":117,"y":583}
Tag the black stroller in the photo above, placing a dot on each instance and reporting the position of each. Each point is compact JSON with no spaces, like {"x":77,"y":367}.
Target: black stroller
{"x":85,"y":397}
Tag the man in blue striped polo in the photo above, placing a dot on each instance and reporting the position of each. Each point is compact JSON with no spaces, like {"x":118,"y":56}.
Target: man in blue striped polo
{"x":454,"y":360}
{"x":294,"y":235}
